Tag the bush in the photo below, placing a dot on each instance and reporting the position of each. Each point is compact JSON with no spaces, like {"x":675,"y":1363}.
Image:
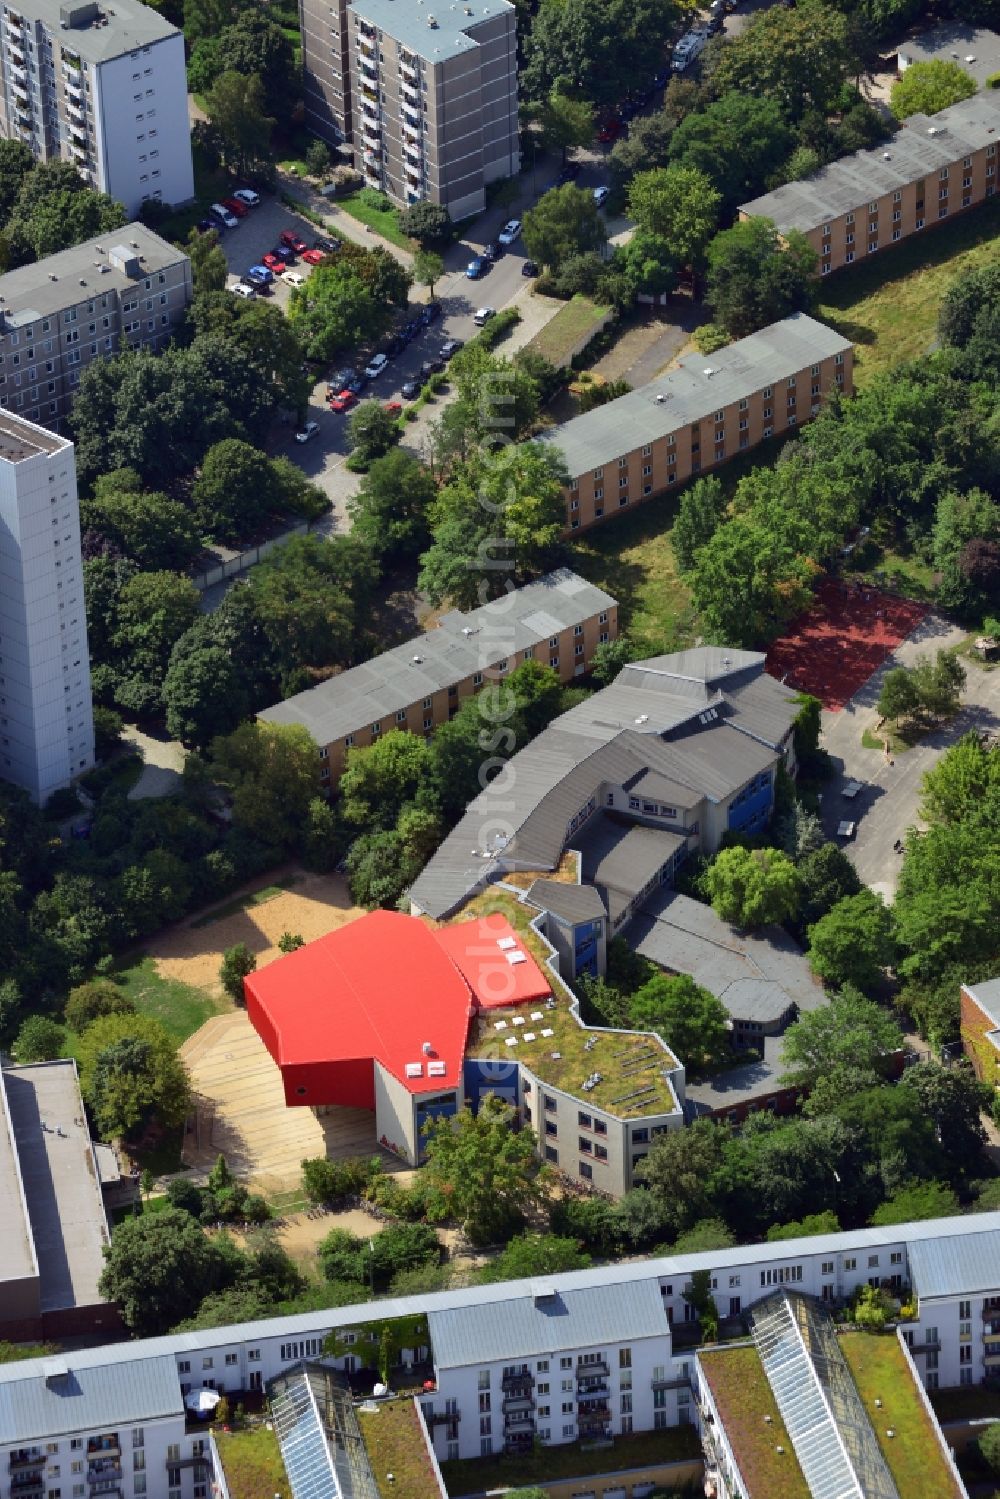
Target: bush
{"x":709,"y":337}
{"x":993,"y":81}
{"x":40,"y":1039}
{"x":498,"y":328}
{"x":237,"y":963}
{"x":372,"y":198}
{"x":108,"y":726}
{"x":326,"y":1181}
{"x":89,"y":1001}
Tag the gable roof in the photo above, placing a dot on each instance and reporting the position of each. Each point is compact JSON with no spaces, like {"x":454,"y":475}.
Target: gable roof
{"x":45,"y":1397}
{"x":963,"y":1266}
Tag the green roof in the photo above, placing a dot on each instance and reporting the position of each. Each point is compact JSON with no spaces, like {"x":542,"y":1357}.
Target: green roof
{"x":752,"y":1422}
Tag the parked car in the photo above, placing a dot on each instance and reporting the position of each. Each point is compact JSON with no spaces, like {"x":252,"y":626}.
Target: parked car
{"x":344,"y":401}
{"x":235,"y":206}
{"x":610,"y":132}
{"x":284,"y":253}
{"x":356,"y":383}
{"x":483,"y":315}
{"x":430,"y":314}
{"x":244,"y":289}
{"x":529,"y":268}
{"x":328,"y":246}
{"x":273,"y":262}
{"x":209,"y":226}
{"x":313,"y":257}
{"x":293,"y":241}
{"x":432,"y":366}
{"x":452,"y":347}
{"x":410,"y":330}
{"x":376,"y":365}
{"x":306,"y":431}
{"x":493,"y":251}
{"x":394,"y":408}
{"x":261,"y":273}
{"x":393,"y":346}
{"x":601,"y":195}
{"x":410,"y":389}
{"x":219,"y":211}
{"x":294,"y":278}
{"x":248,"y":196}
{"x":510,"y":231}
{"x":338,"y":381}
{"x":477,"y":267}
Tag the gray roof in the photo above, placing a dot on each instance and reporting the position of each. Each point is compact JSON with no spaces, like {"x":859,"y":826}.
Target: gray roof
{"x":922,"y":145}
{"x":100,"y":32}
{"x":976,"y":50}
{"x":68,"y":1223}
{"x":758,"y":976}
{"x":738,"y":1084}
{"x":460,"y":645}
{"x":20,"y":439}
{"x":74,"y":275}
{"x":703,"y":727}
{"x":700,"y":385}
{"x":572,"y":902}
{"x":17,"y":1249}
{"x":621,"y":855}
{"x":408,"y":21}
{"x":533,"y":1325}
{"x":964,"y":1266}
{"x":987,"y":996}
{"x":104,"y":1387}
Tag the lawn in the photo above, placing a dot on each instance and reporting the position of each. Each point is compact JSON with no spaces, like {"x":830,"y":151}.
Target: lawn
{"x":251,"y":1461}
{"x":384,"y":221}
{"x":745,"y":1401}
{"x":563,"y":336}
{"x":914,"y":1453}
{"x":888,"y":306}
{"x":568,"y":1460}
{"x":395,"y":1445}
{"x":180,"y":1008}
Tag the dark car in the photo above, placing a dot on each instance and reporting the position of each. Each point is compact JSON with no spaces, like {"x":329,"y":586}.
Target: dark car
{"x":340,"y":378}
{"x":205,"y":225}
{"x":661,"y":80}
{"x":393,"y":346}
{"x":432,"y":366}
{"x":627,"y":111}
{"x":356,"y":383}
{"x":283,"y":252}
{"x":410,"y":331}
{"x":328,"y":246}
{"x":430,"y":314}
{"x":452,"y":347}
{"x":410,"y":389}
{"x":494,"y":251}
{"x":529,"y":268}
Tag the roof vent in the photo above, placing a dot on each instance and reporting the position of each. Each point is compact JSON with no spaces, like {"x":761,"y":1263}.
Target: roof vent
{"x":417,"y":660}
{"x":933,"y":130}
{"x":660,"y":400}
{"x":82,"y":281}
{"x":414,"y":1069}
{"x":971,"y":57}
{"x":886,"y":155}
{"x":427,"y":1048}
{"x":643,"y":718}
{"x":708,"y":373}
{"x":768,"y":1420}
{"x":890,"y":1432}
{"x":432,"y":23}
{"x":779,"y":1449}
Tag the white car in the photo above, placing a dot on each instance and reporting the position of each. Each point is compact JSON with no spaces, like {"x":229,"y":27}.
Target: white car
{"x":376,"y":367}
{"x":243,"y":289}
{"x":601,"y":195}
{"x":482,"y":317}
{"x":307,"y":431}
{"x":229,"y":219}
{"x":508,"y":234}
{"x":247,"y":195}
{"x":294,"y":278}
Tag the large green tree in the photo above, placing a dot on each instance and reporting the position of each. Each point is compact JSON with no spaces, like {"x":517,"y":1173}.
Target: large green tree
{"x":158,"y":1268}
{"x":391,"y":510}
{"x":309,"y":597}
{"x":853,"y":942}
{"x":927,"y":87}
{"x":564,"y":222}
{"x":702,"y":506}
{"x":335,"y":310}
{"x":272,"y":772}
{"x":679,"y":204}
{"x":693,"y":1023}
{"x":752,"y":887}
{"x":845,"y":1041}
{"x":209,"y":266}
{"x":256,"y":46}
{"x":481,"y":1172}
{"x":565,"y":122}
{"x":797,"y":57}
{"x":54,"y":210}
{"x":381,"y":778}
{"x":756,"y":276}
{"x":237,"y":107}
{"x":131,"y":1074}
{"x":738,"y":142}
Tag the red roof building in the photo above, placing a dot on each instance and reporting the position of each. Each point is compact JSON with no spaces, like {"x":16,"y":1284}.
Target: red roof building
{"x":494,"y":961}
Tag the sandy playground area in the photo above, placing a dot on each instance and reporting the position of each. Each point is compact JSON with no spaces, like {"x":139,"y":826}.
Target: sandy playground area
{"x":313,"y":905}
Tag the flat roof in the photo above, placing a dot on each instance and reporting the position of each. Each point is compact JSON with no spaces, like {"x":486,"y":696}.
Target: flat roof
{"x":98,"y":32}
{"x":17,"y":1251}
{"x":83,"y":271}
{"x":700,"y":385}
{"x":460,"y":645}
{"x":494,"y":961}
{"x":752,"y":1422}
{"x":976,"y":50}
{"x":410,"y":23}
{"x":20,"y":439}
{"x":379,"y":987}
{"x":66,"y":1209}
{"x":922,"y":145}
{"x":735,"y":1085}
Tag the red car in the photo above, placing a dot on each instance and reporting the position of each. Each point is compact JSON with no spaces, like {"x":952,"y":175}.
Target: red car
{"x":293,"y":241}
{"x":344,"y":401}
{"x":394,"y":408}
{"x":235,"y":206}
{"x":314,"y":257}
{"x":610,"y":132}
{"x":272,"y":261}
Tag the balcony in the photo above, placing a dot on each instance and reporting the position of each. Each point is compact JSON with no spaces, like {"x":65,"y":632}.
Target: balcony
{"x":519,"y":1421}
{"x":410,"y":90}
{"x":518,"y":1380}
{"x":369,"y":71}
{"x":991,"y":1314}
{"x":682,"y":1383}
{"x":992,"y":1358}
{"x":26,"y":1458}
{"x":28,"y":1485}
{"x":592,"y":1369}
{"x":103,"y":1471}
{"x":441,"y":1418}
{"x":518,"y":1403}
{"x":927,"y":1345}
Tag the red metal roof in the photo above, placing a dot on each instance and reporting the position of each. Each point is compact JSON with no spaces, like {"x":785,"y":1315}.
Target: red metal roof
{"x":496,"y":964}
{"x":379,"y":987}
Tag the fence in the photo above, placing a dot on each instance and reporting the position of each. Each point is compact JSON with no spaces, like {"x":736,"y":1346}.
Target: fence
{"x":239,"y":562}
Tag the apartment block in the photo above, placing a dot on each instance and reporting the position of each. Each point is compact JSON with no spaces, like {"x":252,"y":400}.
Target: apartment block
{"x":934,"y":167}
{"x":707,"y":410}
{"x":104,"y":88}
{"x":46,"y":716}
{"x":125,"y":290}
{"x":426,"y":94}
{"x":559,"y":620}
{"x":980,"y":1021}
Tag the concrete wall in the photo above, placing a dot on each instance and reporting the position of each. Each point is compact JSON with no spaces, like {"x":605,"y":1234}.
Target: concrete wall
{"x":395,"y":1115}
{"x":143,"y":131}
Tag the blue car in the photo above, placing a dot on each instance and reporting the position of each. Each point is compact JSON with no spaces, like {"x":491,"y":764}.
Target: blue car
{"x":260,"y":273}
{"x":476,"y":268}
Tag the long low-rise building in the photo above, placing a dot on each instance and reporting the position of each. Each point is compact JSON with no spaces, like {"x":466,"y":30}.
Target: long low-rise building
{"x":934,"y":167}
{"x":559,"y":621}
{"x":591,"y":1354}
{"x":707,"y":410}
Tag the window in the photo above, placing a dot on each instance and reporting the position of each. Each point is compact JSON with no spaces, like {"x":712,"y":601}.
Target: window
{"x":586,"y":1171}
{"x":850,"y":1263}
{"x":550,"y":1103}
{"x":598,"y":473}
{"x":827,"y":1267}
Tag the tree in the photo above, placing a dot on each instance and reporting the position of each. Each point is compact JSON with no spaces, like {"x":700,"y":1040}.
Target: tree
{"x":565,"y":122}
{"x":679,"y":204}
{"x":927,"y":87}
{"x":847,"y":1039}
{"x":16,"y":161}
{"x":372,"y":431}
{"x":158,"y":1268}
{"x":798,"y":58}
{"x":256,"y":46}
{"x":916,"y":1201}
{"x":131,"y":1074}
{"x":379,"y":780}
{"x":693,"y":1023}
{"x":826,"y":1222}
{"x":746,"y":581}
{"x":236,"y":106}
{"x":644,"y":265}
{"x":90,"y":1001}
{"x":428,"y":267}
{"x":971,"y":299}
{"x":610,"y":657}
{"x":646,"y":146}
{"x":952,"y":1100}
{"x":738,"y":142}
{"x":826,"y":876}
{"x":989,"y":1446}
{"x":54,"y":210}
{"x":209,"y":267}
{"x":535,"y":1254}
{"x":702,"y":506}
{"x":203,"y":693}
{"x":336,"y":309}
{"x":853,"y":942}
{"x":564,"y":222}
{"x":897,"y":699}
{"x":318,"y":158}
{"x":962,"y":785}
{"x":290,"y":942}
{"x":752,"y":887}
{"x":594,"y":49}
{"x":154,"y":610}
{"x":427,"y":223}
{"x":234,"y":491}
{"x":272,"y":771}
{"x":40,"y":1039}
{"x":237,"y":964}
{"x":482,"y":1173}
{"x":680,"y":1171}
{"x":756,"y":276}
{"x":927,"y":689}
{"x":705,"y":1235}
{"x":390,"y":511}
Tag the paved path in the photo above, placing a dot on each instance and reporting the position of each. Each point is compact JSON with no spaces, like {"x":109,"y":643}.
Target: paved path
{"x":163,"y":764}
{"x":890,"y":803}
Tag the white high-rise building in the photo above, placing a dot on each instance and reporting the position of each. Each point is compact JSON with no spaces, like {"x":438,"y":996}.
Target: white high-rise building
{"x":46,"y":716}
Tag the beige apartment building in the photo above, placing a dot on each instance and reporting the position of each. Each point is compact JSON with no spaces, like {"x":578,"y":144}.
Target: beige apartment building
{"x":711,"y":407}
{"x":127,"y":289}
{"x":559,"y":620}
{"x":426,"y":93}
{"x":934,"y":167}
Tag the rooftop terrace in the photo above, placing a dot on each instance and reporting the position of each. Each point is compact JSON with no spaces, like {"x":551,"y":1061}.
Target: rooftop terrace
{"x":630,"y":1062}
{"x":395,"y":1444}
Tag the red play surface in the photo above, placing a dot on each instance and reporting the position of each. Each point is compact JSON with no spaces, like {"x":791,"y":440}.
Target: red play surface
{"x":834,"y":648}
{"x":496,"y":975}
